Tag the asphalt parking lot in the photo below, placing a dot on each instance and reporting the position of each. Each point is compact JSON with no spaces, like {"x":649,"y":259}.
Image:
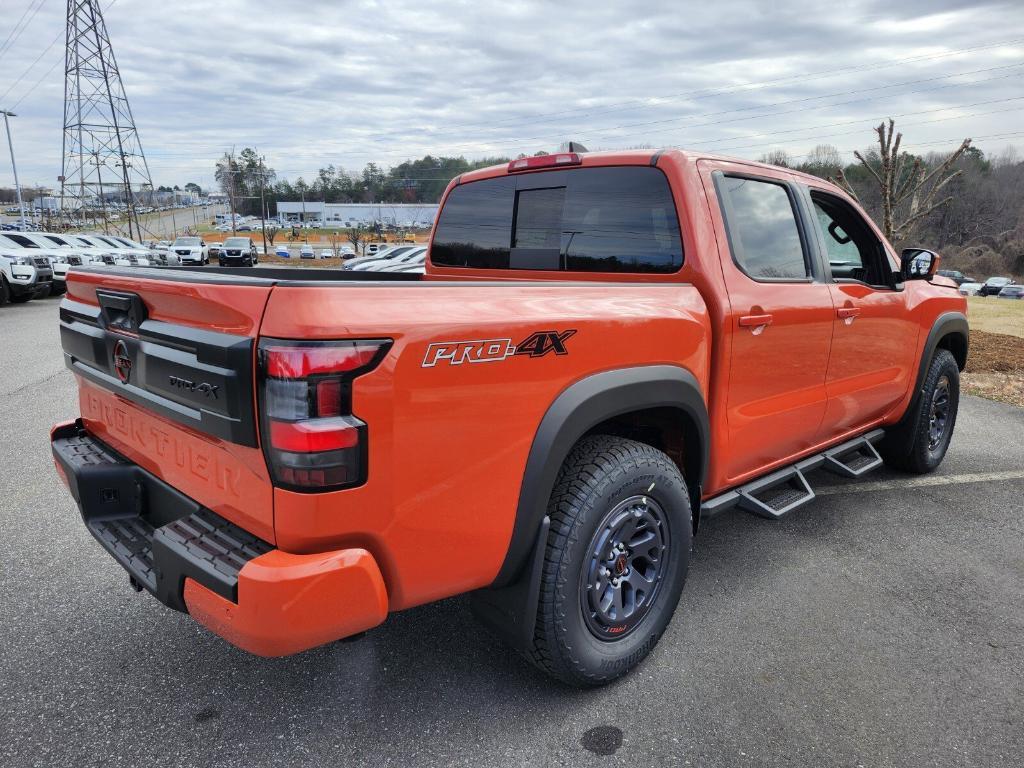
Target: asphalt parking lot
{"x":882,"y":625}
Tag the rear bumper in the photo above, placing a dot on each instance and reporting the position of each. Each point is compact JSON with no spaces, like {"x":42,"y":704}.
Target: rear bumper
{"x":261,"y":599}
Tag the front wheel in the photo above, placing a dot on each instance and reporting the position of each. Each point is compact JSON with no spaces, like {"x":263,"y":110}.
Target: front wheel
{"x":616,"y":560}
{"x":930,"y":427}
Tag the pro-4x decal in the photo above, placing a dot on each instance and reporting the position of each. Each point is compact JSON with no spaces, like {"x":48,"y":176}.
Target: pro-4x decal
{"x":537,"y":344}
{"x":540,"y":343}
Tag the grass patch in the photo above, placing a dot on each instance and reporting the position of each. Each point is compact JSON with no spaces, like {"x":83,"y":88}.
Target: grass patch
{"x":996,"y":315}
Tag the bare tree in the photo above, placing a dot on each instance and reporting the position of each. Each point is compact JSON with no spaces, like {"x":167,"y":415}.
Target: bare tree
{"x":271,"y":234}
{"x":908,"y":194}
{"x":777,"y":157}
{"x":356,"y":236}
{"x":336,"y":238}
{"x":822,"y":160}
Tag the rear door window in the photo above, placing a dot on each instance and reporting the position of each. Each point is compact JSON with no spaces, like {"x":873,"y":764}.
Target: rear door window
{"x":760,"y":221}
{"x":616,"y":219}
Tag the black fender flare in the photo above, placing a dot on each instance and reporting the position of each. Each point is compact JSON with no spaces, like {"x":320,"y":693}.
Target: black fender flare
{"x":509,"y":605}
{"x":947,"y":324}
{"x":900,"y":436}
{"x":580,"y":408}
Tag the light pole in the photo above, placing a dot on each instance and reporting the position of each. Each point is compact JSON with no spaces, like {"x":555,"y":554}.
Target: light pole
{"x":263,"y":206}
{"x":10,"y":144}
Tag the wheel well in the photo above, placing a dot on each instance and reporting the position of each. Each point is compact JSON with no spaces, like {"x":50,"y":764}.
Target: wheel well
{"x":956,"y":343}
{"x":670,"y":430}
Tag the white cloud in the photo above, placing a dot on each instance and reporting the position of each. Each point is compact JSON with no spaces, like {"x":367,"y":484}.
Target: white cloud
{"x":321,"y":82}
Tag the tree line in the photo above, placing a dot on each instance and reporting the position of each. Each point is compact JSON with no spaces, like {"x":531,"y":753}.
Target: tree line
{"x":967,"y":204}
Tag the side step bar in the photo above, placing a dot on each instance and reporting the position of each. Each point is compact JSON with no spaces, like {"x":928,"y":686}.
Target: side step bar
{"x":784,"y":490}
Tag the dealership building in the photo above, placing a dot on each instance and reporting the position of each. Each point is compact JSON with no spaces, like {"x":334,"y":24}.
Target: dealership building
{"x":401,"y":215}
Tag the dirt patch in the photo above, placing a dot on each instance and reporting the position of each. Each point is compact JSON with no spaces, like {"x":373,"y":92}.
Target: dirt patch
{"x":995,"y":367}
{"x":271,"y":258}
{"x":995,"y":353}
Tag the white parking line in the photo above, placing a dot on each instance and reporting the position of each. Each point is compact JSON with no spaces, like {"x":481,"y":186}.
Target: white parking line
{"x":921,"y":482}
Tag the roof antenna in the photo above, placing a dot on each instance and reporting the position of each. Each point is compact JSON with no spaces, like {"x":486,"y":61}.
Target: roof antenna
{"x":575,"y":146}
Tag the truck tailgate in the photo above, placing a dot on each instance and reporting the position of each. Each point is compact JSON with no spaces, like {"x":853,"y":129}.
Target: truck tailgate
{"x":166,"y":378}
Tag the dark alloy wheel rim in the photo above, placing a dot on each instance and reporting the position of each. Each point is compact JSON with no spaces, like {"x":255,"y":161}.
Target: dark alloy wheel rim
{"x":625,"y":566}
{"x":938,"y":415}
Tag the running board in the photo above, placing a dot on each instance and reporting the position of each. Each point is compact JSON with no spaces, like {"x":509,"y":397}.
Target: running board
{"x":853,"y":461}
{"x":784,"y":490}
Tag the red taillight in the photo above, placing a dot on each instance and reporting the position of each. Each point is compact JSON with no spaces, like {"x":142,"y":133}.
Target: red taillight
{"x":298,"y":362}
{"x":314,"y":435}
{"x":544,"y":161}
{"x":312,"y":440}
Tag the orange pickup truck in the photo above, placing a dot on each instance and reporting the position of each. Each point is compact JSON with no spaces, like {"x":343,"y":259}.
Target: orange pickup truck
{"x":604,"y":350}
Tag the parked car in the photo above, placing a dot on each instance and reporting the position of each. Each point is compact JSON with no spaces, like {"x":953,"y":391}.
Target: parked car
{"x":413,"y":262}
{"x":994,"y":285}
{"x":102,"y":253}
{"x":969,"y":289}
{"x":1012,"y":292}
{"x":371,"y":249}
{"x":393,"y":259}
{"x":283,"y":252}
{"x":145,"y":256}
{"x":191,"y":250}
{"x":307,"y":252}
{"x":378,"y":258}
{"x":955,"y":275}
{"x":215,"y":250}
{"x":239,"y":251}
{"x":62,"y":254}
{"x":125,"y":255}
{"x":599,"y":395}
{"x":326,"y":253}
{"x":25,"y":273}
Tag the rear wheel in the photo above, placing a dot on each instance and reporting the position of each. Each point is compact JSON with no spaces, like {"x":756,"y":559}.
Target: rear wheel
{"x":616,"y":560}
{"x":930,"y":427}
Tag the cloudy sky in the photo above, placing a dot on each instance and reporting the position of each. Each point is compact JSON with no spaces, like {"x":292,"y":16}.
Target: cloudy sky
{"x":323,"y":82}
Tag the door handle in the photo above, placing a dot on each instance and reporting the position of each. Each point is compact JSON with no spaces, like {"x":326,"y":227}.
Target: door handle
{"x":845,"y":313}
{"x":753,"y":321}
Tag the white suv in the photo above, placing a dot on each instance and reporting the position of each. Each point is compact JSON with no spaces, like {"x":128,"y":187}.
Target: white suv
{"x":125,"y":255}
{"x":25,"y":273}
{"x":63,"y":254}
{"x":191,"y":250}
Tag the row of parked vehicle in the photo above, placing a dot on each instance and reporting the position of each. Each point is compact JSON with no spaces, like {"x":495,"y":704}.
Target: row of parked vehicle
{"x":378,"y":257}
{"x":1002,"y":287}
{"x":36,"y":264}
{"x":396,"y":258}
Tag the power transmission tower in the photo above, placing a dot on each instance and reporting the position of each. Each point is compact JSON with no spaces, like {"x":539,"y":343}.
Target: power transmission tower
{"x":99,"y":130}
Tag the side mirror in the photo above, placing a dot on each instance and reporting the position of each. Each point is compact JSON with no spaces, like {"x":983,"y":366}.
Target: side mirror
{"x":918,"y":263}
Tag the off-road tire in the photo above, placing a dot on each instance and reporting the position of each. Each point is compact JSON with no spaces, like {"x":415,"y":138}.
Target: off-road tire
{"x":600,"y":474}
{"x":911,"y":446}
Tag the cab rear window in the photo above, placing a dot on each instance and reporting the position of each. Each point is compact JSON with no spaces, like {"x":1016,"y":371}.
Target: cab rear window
{"x":616,"y":219}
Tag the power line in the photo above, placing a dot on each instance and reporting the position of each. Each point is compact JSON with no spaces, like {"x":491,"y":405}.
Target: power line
{"x":756,"y":85}
{"x":15,"y":33}
{"x":518,"y":142}
{"x":30,"y":67}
